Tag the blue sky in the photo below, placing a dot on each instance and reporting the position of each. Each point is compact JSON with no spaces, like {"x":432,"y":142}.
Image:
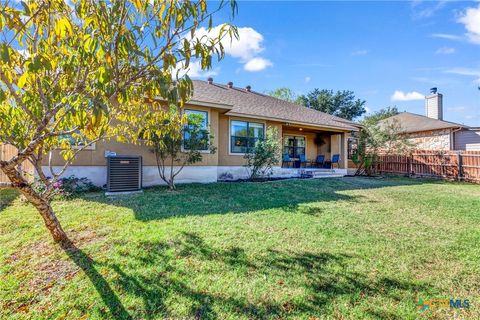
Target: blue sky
{"x":373,"y":48}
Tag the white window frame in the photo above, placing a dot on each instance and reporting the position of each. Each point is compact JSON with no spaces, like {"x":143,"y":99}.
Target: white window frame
{"x":208,"y":125}
{"x":230,"y":132}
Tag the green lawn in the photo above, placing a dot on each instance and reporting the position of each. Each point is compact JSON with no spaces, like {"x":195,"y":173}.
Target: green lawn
{"x":347,"y":248}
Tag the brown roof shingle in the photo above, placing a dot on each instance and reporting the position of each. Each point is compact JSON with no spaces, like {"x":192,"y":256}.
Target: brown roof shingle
{"x":263,"y":106}
{"x":411,"y":122}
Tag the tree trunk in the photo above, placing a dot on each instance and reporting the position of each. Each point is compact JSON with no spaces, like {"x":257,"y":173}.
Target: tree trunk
{"x":171,"y":184}
{"x":42,"y":205}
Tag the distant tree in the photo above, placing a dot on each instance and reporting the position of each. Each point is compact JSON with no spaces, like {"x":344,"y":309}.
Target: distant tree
{"x":379,"y":115}
{"x":341,"y":103}
{"x":375,"y":139}
{"x":283,"y":93}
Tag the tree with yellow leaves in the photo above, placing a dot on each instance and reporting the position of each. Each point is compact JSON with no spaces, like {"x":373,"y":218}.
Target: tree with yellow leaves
{"x":72,"y":73}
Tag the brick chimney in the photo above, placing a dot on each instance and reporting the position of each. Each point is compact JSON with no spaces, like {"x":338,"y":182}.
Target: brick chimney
{"x":210,"y":80}
{"x":230,"y":84}
{"x":248,"y":88}
{"x":434,"y":105}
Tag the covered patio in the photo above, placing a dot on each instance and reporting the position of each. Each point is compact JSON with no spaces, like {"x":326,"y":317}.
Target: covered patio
{"x":309,"y":148}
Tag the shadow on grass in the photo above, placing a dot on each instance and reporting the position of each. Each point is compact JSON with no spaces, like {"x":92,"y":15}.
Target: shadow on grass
{"x":165,"y":272}
{"x":220,"y":198}
{"x":322,"y":276}
{"x":7,"y":196}
{"x":84,"y":262}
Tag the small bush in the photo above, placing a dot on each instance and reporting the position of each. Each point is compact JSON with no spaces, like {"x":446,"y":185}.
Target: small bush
{"x":73,"y":185}
{"x":262,"y":158}
{"x":67,"y":187}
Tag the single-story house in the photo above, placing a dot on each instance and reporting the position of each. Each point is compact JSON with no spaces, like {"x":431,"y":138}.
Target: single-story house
{"x":431,"y":132}
{"x":236,"y":117}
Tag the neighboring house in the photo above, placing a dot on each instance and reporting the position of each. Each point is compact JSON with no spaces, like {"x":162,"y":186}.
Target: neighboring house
{"x":431,"y":132}
{"x":237,"y":117}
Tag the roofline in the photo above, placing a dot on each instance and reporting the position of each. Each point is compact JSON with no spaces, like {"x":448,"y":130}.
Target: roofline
{"x":225,"y":86}
{"x":237,"y":114}
{"x":449,"y":124}
{"x":452,"y":127}
{"x":204,"y":103}
{"x":454,"y":124}
{"x":211,"y":104}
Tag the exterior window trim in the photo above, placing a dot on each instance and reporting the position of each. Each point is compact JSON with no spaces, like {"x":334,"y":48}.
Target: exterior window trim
{"x":208,"y":124}
{"x":90,"y":147}
{"x":264,"y":123}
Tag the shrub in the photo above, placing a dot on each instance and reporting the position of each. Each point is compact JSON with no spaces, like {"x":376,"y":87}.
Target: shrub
{"x":262,"y":158}
{"x":73,"y":185}
{"x":67,"y":187}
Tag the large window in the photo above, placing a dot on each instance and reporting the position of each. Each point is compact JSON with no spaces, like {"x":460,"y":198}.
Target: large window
{"x":203,"y":134}
{"x":244,"y":135}
{"x":294,"y":146}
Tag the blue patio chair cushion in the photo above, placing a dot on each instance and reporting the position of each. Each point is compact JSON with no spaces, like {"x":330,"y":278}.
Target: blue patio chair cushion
{"x":303,"y":158}
{"x":320,"y":158}
{"x":286,"y":157}
{"x":335,"y":158}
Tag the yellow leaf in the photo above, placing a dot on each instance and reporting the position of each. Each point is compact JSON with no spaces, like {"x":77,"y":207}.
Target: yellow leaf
{"x":108,"y":57}
{"x":62,"y":27}
{"x":203,"y":5}
{"x":22,"y":80}
{"x":138,"y":4}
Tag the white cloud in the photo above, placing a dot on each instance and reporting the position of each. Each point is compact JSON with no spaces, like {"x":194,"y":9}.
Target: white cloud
{"x":469,"y":72}
{"x":471,"y":20}
{"x":247,"y":48}
{"x":426,"y":9}
{"x":447,"y":36}
{"x":359,"y":52}
{"x":407,"y":96}
{"x":367,"y":109}
{"x":24,"y":53}
{"x":194,"y":70}
{"x":307,"y":79}
{"x":257,"y":64}
{"x":445,"y":50}
{"x":465,"y":71}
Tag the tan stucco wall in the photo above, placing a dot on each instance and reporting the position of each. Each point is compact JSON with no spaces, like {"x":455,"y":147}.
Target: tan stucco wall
{"x":431,"y":140}
{"x":335,"y":144}
{"x":220,"y":128}
{"x":326,"y":147}
{"x":96,"y":157}
{"x":225,"y":158}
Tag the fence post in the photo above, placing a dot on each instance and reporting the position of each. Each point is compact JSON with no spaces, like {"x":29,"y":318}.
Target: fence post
{"x":410,"y":164}
{"x":460,"y":166}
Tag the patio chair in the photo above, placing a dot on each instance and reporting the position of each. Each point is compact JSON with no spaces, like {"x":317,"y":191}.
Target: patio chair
{"x":320,"y":161}
{"x":286,"y":160}
{"x":335,"y":160}
{"x":303,"y":160}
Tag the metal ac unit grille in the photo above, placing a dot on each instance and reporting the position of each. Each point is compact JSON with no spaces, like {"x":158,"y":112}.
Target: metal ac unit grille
{"x":124,"y":173}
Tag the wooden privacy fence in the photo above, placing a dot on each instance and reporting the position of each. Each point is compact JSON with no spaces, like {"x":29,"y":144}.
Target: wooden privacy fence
{"x":458,"y":165}
{"x":6,"y":153}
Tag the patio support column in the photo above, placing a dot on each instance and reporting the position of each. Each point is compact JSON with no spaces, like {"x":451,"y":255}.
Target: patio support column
{"x":344,"y":151}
